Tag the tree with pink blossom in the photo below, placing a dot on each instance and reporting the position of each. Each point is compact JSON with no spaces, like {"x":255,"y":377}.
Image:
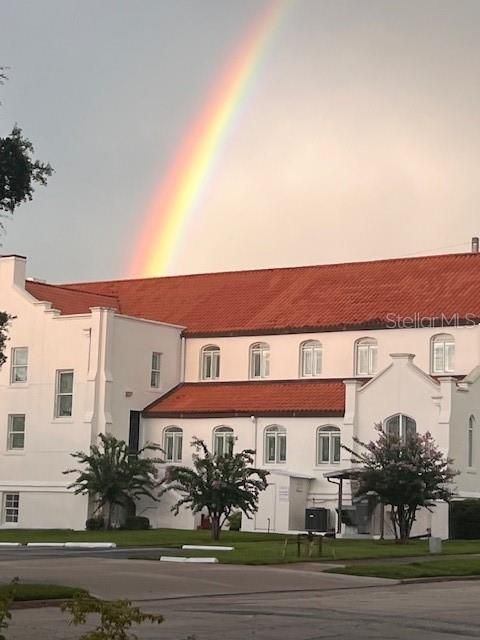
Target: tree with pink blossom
{"x":406,"y":474}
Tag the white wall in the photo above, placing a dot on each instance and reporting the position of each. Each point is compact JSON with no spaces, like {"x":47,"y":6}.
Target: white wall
{"x":338,"y":351}
{"x":133,"y":343}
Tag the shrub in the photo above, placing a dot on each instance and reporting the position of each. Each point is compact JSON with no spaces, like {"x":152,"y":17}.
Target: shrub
{"x":235,"y":521}
{"x":137,"y":523}
{"x":94,"y":524}
{"x":465,"y":519}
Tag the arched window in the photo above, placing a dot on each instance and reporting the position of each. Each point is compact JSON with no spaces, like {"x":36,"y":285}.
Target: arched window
{"x":400,"y":426}
{"x":210,"y":362}
{"x":470,"y":439}
{"x":443,"y":353}
{"x":275,"y":444}
{"x":365,"y":356}
{"x":259,"y":360}
{"x":328,"y":445}
{"x":172,"y":444}
{"x":223,"y":441}
{"x":310,"y":358}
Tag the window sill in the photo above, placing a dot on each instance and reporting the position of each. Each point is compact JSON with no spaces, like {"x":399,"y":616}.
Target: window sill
{"x":63,"y":421}
{"x":14,"y":452}
{"x":471,"y":471}
{"x":320,"y":465}
{"x":270,"y":462}
{"x":18,"y":385}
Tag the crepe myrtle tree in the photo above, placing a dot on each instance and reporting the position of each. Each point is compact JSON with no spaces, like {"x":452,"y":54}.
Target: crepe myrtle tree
{"x":113,"y":475}
{"x":218,"y":484}
{"x":406,"y":474}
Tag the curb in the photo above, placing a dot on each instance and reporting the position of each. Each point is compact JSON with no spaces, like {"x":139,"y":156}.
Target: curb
{"x":438,"y":579}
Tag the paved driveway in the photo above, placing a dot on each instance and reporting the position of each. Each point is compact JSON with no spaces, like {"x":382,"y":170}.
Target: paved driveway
{"x":439,"y":611}
{"x":147,"y":580}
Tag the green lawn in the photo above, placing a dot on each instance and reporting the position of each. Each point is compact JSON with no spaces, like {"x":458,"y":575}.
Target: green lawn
{"x":24,"y":592}
{"x":429,"y":569}
{"x":250,"y":548}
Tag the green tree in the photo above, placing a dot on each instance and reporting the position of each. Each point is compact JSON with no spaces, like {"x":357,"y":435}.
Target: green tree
{"x":4,"y":320}
{"x":18,"y":174}
{"x":115,"y":617}
{"x":218,"y":484}
{"x":406,"y":474}
{"x":18,"y":169}
{"x":115,"y":476}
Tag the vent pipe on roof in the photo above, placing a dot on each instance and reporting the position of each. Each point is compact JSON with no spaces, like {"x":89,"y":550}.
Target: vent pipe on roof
{"x":475,"y":244}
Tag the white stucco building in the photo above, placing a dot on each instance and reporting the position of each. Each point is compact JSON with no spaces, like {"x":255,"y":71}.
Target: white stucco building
{"x":289,"y":362}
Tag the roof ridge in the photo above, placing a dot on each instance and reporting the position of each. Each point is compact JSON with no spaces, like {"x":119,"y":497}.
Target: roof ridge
{"x":326,"y":265}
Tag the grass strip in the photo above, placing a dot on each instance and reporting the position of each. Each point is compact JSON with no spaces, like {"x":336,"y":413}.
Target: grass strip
{"x":427,"y":569}
{"x":26,"y":591}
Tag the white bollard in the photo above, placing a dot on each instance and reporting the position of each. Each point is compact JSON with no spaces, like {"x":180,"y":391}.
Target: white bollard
{"x":206,"y":547}
{"x":435,"y":545}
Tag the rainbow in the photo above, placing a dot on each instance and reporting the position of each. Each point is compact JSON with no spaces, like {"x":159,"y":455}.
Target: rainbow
{"x":178,"y":196}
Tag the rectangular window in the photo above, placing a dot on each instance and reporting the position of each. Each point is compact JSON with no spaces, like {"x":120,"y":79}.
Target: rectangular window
{"x":10,"y":507}
{"x":438,"y":358}
{"x":19,"y":366}
{"x":173,"y":445}
{"x":324,"y":448}
{"x":363,"y":359}
{"x":270,"y":442}
{"x":16,"y":432}
{"x":449,"y":356}
{"x":335,"y":448}
{"x":282,"y":447}
{"x":64,"y":394}
{"x":155,"y":374}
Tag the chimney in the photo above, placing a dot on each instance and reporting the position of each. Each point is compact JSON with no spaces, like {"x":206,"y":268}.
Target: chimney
{"x":12,"y":271}
{"x":475,"y":243}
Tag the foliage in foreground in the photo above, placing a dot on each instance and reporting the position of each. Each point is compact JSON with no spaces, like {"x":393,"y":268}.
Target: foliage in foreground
{"x":116,"y":617}
{"x":4,"y":320}
{"x":217,"y":484}
{"x":406,"y":474}
{"x":115,"y":476}
{"x":6,"y":598}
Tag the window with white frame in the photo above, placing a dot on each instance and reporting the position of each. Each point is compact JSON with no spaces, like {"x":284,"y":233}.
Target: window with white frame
{"x":443,"y":353}
{"x":328,"y":445}
{"x":223,"y":441}
{"x":400,"y":426}
{"x":311,"y":358}
{"x":172,"y":444}
{"x":470,"y":441}
{"x":11,"y":503}
{"x":210,"y":362}
{"x":19,"y":365}
{"x":16,"y":432}
{"x":275,"y":444}
{"x":64,"y":393}
{"x":365,"y":357}
{"x":155,"y":372}
{"x":259,"y":360}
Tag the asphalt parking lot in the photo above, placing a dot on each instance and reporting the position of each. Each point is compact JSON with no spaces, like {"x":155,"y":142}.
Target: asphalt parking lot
{"x":231,"y":602}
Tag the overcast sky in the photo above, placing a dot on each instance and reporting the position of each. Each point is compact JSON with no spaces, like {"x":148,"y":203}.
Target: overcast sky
{"x":360,"y":138}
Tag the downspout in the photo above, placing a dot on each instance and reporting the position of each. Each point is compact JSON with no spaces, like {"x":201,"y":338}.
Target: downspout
{"x":340,"y":501}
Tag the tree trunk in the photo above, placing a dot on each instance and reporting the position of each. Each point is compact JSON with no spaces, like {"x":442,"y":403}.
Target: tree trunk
{"x":107,"y":515}
{"x":215,"y":527}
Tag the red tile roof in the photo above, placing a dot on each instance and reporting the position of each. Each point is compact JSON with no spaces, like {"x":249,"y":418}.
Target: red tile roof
{"x":324,"y":298}
{"x":69,"y":301}
{"x":262,"y":398}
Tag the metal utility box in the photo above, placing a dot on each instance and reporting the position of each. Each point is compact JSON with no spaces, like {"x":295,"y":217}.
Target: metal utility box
{"x":316,"y":519}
